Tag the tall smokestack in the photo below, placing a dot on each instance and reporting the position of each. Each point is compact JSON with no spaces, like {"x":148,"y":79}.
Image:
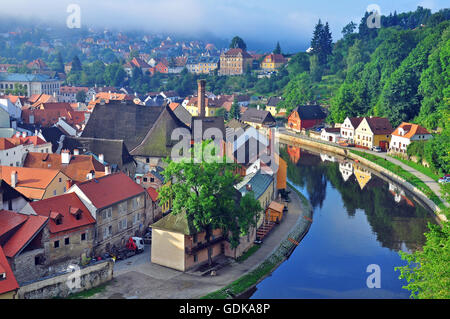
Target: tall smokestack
{"x":201,"y":97}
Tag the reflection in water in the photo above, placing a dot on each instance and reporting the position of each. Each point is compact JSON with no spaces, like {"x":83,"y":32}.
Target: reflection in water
{"x":359,"y":219}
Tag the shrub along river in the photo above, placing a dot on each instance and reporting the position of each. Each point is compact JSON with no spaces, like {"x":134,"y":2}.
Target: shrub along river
{"x":359,"y":219}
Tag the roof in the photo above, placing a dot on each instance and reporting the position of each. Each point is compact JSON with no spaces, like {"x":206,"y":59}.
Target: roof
{"x":158,"y":139}
{"x":110,"y":189}
{"x":35,"y":140}
{"x":153,"y":193}
{"x":31,"y":182}
{"x":24,"y":77}
{"x":238,"y":51}
{"x":278,"y":207}
{"x":115,"y":152}
{"x":122,"y":121}
{"x":310,"y":112}
{"x":10,"y":220}
{"x":24,"y":235}
{"x":259,"y":183}
{"x":274,"y":100}
{"x":275,"y":58}
{"x":257,"y":116}
{"x":5,"y":144}
{"x":334,"y":130}
{"x":77,"y":169}
{"x":410,"y":130}
{"x":379,"y":125}
{"x":9,"y":283}
{"x":66,"y":206}
{"x":183,"y":115}
{"x":177,"y":223}
{"x":206,"y":123}
{"x":355,"y":121}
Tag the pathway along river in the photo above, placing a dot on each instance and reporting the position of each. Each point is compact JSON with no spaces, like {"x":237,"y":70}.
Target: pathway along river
{"x":359,"y":219}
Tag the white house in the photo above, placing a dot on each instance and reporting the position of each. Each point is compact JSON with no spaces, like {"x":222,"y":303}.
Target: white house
{"x":13,"y":110}
{"x":330,"y":134}
{"x":349,"y":126}
{"x":406,"y":133}
{"x":346,"y":169}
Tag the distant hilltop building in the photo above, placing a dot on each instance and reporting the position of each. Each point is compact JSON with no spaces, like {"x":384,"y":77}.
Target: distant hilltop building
{"x":234,"y":62}
{"x":29,"y":83}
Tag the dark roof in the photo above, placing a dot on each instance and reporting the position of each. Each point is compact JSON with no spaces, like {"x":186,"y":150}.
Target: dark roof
{"x":52,"y":135}
{"x":208,"y":122}
{"x":310,"y":112}
{"x":238,"y":51}
{"x":380,"y":125}
{"x":122,"y":121}
{"x":257,"y":116}
{"x":158,"y":140}
{"x":114,"y":151}
{"x":274,"y":100}
{"x":355,"y":121}
{"x":183,"y":115}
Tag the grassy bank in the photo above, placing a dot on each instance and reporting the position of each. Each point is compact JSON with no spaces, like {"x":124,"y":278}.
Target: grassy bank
{"x":412,"y":179}
{"x":425,"y":170}
{"x":88,"y":293}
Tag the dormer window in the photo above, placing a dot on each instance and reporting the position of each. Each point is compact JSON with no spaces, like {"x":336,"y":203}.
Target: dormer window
{"x":2,"y":275}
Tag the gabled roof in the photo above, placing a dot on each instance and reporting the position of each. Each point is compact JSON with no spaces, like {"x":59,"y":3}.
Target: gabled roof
{"x":10,"y":220}
{"x":24,"y":235}
{"x":257,"y":116}
{"x":5,"y":144}
{"x":182,"y":114}
{"x":115,"y":152}
{"x":77,"y":169}
{"x":9,"y":283}
{"x":236,"y":52}
{"x":310,"y":112}
{"x":379,"y":125}
{"x":153,"y":193}
{"x":259,"y":183}
{"x":177,"y":223}
{"x":110,"y":189}
{"x":274,"y":100}
{"x":158,"y":140}
{"x":355,"y":121}
{"x":67,"y":206}
{"x":410,"y":130}
{"x":207,"y":122}
{"x":122,"y":121}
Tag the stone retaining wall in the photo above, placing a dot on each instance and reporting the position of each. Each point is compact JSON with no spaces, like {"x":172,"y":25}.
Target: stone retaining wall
{"x":58,"y":285}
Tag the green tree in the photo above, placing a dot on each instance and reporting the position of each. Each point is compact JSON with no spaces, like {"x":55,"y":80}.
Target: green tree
{"x":235,"y":110}
{"x":205,"y":193}
{"x":321,"y":42}
{"x":277,"y":49}
{"x":76,"y":64}
{"x":81,"y":96}
{"x":298,"y":91}
{"x":349,"y":29}
{"x":237,"y":42}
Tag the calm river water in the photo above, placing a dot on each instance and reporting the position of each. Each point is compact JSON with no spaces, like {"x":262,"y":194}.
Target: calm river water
{"x":359,"y":220}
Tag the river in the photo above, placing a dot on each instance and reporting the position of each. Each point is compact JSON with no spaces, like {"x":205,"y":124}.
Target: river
{"x":359,"y":219}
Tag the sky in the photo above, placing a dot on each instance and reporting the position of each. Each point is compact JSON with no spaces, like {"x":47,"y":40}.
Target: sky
{"x":261,"y":23}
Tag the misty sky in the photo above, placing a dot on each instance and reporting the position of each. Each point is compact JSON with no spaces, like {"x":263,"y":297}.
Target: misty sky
{"x":260,"y":22}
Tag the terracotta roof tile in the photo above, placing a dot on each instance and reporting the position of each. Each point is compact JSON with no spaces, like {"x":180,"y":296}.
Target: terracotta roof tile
{"x":410,"y":130}
{"x":9,"y":283}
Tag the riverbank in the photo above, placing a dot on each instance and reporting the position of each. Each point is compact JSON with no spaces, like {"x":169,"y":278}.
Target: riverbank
{"x":421,"y":189}
{"x":249,"y":281}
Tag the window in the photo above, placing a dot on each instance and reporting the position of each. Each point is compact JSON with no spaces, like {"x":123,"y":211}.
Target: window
{"x":83,"y":236}
{"x":135,"y":203}
{"x":136,"y":218}
{"x":194,"y":238}
{"x":195,"y":258}
{"x":107,"y":213}
{"x":66,"y":241}
{"x":123,"y":224}
{"x":123,"y":208}
{"x":56,"y":244}
{"x":107,"y":232}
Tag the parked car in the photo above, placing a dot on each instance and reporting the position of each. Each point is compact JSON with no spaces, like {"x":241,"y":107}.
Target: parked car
{"x":445,"y":179}
{"x":376,"y":149}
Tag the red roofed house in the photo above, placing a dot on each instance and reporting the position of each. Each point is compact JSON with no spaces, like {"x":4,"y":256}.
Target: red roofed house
{"x":30,"y":143}
{"x":405,"y":134}
{"x":22,"y":239}
{"x":71,"y":227}
{"x":118,"y":205}
{"x":162,"y":68}
{"x":272,"y":62}
{"x":48,"y":114}
{"x":8,"y":283}
{"x":234,"y":61}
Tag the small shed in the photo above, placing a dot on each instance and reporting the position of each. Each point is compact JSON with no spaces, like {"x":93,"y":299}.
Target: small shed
{"x":274,"y":212}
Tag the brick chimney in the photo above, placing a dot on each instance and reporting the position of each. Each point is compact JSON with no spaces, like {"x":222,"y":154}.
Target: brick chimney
{"x":201,"y":97}
{"x":107,"y":170}
{"x":69,"y":184}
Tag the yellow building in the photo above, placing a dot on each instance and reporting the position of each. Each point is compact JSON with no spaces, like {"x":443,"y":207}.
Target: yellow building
{"x":272,"y":105}
{"x":362,"y":175}
{"x":202,"y":64}
{"x":373,"y":131}
{"x":211,"y":107}
{"x":272,"y":62}
{"x":234,"y":61}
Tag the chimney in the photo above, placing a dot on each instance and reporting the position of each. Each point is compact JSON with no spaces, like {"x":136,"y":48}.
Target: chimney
{"x":101,"y":158}
{"x":201,"y":97}
{"x":13,"y":179}
{"x":65,"y":157}
{"x":24,"y":134}
{"x":89,"y":176}
{"x":107,"y":170}
{"x":17,"y":134}
{"x":69,"y":184}
{"x":249,"y":187}
{"x":76,"y":151}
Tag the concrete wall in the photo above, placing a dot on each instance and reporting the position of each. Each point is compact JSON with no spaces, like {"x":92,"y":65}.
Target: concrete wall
{"x":168,"y":249}
{"x":58,"y":286}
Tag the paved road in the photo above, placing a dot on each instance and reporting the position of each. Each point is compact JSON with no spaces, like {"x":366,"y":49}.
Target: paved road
{"x":137,"y":277}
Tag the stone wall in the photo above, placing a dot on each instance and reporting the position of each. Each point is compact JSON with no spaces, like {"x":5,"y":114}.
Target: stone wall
{"x":58,"y":285}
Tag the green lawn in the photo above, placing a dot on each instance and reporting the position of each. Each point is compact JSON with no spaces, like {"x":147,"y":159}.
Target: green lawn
{"x":248,"y":253}
{"x":425,"y":170}
{"x":412,"y":179}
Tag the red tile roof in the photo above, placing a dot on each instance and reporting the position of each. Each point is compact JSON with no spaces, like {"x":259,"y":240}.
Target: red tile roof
{"x":10,"y":220}
{"x":238,"y":51}
{"x":9,"y":283}
{"x":36,"y":140}
{"x":110,"y":189}
{"x":66,"y":206}
{"x":410,"y":130}
{"x":23,"y":236}
{"x":153,"y":193}
{"x":5,"y":144}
